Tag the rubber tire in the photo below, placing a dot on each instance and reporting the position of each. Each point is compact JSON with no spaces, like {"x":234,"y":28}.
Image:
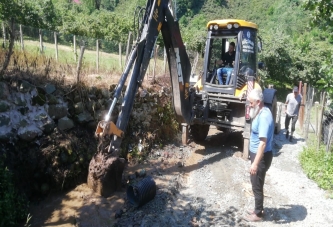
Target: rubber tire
{"x":198,"y":132}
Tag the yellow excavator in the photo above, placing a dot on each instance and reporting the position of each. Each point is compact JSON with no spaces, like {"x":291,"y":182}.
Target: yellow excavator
{"x":199,"y":101}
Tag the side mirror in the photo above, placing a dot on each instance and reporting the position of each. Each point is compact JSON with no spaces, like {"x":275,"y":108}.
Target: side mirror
{"x":259,"y":44}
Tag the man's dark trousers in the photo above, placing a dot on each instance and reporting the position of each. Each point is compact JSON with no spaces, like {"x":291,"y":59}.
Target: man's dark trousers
{"x":258,"y":180}
{"x":293,"y":122}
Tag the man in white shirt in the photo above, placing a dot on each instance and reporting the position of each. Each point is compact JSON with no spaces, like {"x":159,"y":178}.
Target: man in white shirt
{"x":293,"y":102}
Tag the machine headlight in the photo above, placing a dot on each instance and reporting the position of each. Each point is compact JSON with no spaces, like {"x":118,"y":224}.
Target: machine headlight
{"x":229,"y":26}
{"x":216,"y":26}
{"x":236,"y":25}
{"x":211,"y":27}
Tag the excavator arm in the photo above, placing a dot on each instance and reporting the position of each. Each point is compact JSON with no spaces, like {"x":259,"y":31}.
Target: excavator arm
{"x":158,"y":18}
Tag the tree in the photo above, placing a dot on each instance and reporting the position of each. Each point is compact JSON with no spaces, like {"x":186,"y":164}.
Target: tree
{"x":322,"y":16}
{"x":322,"y":13}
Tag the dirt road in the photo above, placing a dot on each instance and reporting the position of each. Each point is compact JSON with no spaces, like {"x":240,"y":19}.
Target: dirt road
{"x":200,"y":185}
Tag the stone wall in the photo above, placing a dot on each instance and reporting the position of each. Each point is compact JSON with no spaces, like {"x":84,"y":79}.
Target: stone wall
{"x":47,"y":132}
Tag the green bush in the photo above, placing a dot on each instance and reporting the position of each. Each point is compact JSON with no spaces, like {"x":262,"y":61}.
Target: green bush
{"x":318,"y":166}
{"x":13,"y":206}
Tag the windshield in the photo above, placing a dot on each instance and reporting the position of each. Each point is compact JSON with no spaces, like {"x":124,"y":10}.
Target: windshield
{"x":248,"y":47}
{"x":218,"y":48}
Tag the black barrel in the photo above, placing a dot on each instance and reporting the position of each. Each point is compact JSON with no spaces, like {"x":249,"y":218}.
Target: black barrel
{"x":142,"y":192}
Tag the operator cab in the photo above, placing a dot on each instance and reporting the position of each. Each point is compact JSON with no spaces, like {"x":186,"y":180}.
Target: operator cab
{"x":220,"y":34}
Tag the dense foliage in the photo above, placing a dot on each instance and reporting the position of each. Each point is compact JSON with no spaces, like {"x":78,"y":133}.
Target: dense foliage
{"x":318,"y":166}
{"x":293,"y":50}
{"x":322,"y":17}
{"x":13,"y":206}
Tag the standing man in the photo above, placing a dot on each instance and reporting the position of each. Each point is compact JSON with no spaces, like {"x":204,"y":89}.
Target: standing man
{"x":293,"y":102}
{"x":227,"y":64}
{"x":262,"y":130}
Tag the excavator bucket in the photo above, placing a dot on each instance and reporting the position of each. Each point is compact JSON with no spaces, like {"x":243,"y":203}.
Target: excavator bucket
{"x":108,"y":128}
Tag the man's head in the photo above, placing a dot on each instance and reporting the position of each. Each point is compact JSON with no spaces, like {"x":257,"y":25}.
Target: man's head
{"x":295,"y":90}
{"x":256,"y":99}
{"x":231,"y":47}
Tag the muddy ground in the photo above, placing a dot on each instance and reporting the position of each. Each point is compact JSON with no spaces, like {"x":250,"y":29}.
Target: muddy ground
{"x":199,"y":185}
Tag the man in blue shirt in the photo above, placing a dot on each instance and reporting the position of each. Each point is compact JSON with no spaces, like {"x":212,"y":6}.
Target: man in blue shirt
{"x":262,"y":130}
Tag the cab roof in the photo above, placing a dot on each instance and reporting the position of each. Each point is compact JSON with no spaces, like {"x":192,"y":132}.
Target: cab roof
{"x":224,"y":22}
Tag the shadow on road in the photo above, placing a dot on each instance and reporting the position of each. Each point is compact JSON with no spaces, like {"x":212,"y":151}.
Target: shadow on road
{"x":285,"y":214}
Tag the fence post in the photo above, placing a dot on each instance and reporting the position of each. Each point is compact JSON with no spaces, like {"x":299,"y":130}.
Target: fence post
{"x":120,"y":60}
{"x":56,"y":45}
{"x":301,"y":109}
{"x":21,"y":37}
{"x":128,"y":45}
{"x":322,"y":103}
{"x":74,"y":44}
{"x":97,"y":55}
{"x":317,"y":109}
{"x":79,"y":64}
{"x":4,"y":34}
{"x":40,"y":41}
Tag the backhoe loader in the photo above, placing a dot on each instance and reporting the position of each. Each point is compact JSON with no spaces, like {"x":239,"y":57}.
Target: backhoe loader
{"x":199,"y":101}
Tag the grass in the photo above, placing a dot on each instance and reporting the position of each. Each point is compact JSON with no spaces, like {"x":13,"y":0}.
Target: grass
{"x":318,"y":166}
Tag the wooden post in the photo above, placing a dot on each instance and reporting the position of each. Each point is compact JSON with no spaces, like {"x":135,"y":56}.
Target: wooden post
{"x":120,"y":60}
{"x":97,"y":55}
{"x":40,"y":41}
{"x":79,"y":64}
{"x":322,"y":103}
{"x":309,"y":104}
{"x":56,"y":45}
{"x":317,"y":109}
{"x":4,"y":34}
{"x":21,"y":37}
{"x":74,"y":45}
{"x":184,"y":133}
{"x":155,"y":57}
{"x":128,"y":45}
{"x":301,"y":109}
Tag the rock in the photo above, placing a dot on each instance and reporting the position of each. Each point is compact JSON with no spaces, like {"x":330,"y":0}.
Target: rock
{"x":4,"y":106}
{"x":40,"y":99}
{"x":78,"y":107}
{"x":57,"y":111}
{"x":23,"y":123}
{"x":65,"y":123}
{"x":180,"y":164}
{"x":6,"y":134}
{"x":4,"y":120}
{"x":51,"y":99}
{"x":23,"y":110}
{"x":40,"y":116}
{"x":49,"y":88}
{"x":105,"y":93}
{"x":40,"y":90}
{"x":29,"y":132}
{"x":25,"y":87}
{"x":84,"y":117}
{"x":48,"y":127}
{"x":20,"y":101}
{"x":77,"y":99}
{"x":4,"y":91}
